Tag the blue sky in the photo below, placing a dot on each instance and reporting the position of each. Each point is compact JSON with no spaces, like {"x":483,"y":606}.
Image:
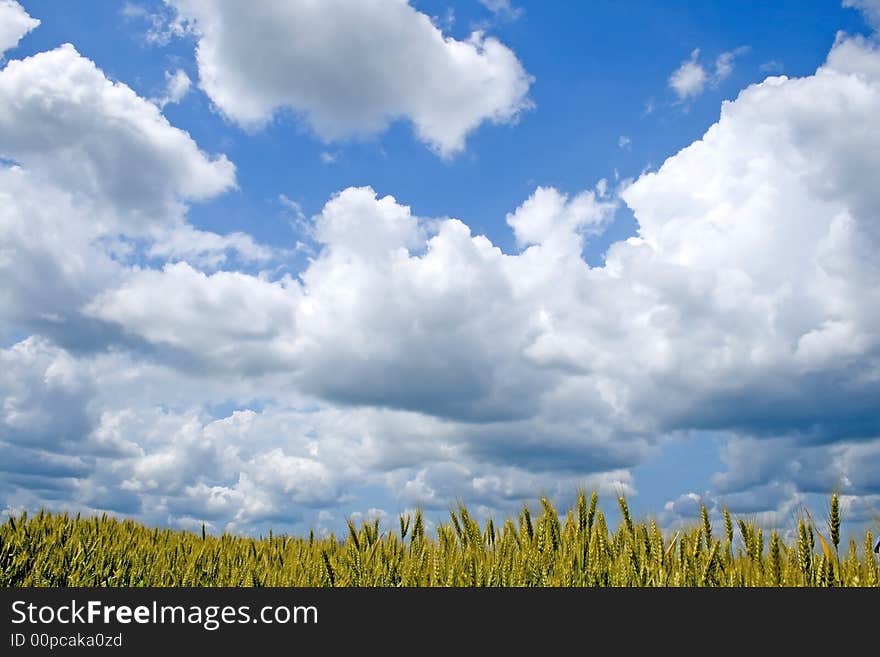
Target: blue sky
{"x":356,"y":258}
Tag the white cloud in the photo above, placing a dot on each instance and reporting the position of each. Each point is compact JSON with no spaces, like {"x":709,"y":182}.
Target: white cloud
{"x":624,"y":142}
{"x":163,"y":24}
{"x":177,"y":85}
{"x":687,"y":505}
{"x":553,"y":220}
{"x":690,"y":79}
{"x":14,"y":24}
{"x":61,"y":116}
{"x":856,"y":56}
{"x":231,"y":320}
{"x":55,"y":255}
{"x":774,"y":66}
{"x":208,"y":250}
{"x":724,"y":64}
{"x":869,"y":8}
{"x":346,"y":218}
{"x":49,"y":263}
{"x":100,"y":177}
{"x":503,"y":9}
{"x":349,"y":69}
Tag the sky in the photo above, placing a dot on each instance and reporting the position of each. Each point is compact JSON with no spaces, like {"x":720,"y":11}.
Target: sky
{"x":284,"y":264}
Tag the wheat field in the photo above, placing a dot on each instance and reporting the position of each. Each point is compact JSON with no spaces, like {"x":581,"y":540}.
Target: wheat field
{"x":544,"y":549}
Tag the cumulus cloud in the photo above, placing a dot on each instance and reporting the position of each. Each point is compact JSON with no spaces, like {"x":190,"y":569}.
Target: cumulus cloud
{"x":788,"y":231}
{"x":172,"y":462}
{"x":49,"y":264}
{"x":413,"y":356}
{"x":349,"y":69}
{"x":553,"y":221}
{"x":811,"y":468}
{"x":61,"y":117}
{"x":14,"y":24}
{"x":58,"y":250}
{"x":855,"y":56}
{"x":208,"y":250}
{"x":747,"y":303}
{"x":98,"y":177}
{"x":43,"y":395}
{"x":228,"y":320}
